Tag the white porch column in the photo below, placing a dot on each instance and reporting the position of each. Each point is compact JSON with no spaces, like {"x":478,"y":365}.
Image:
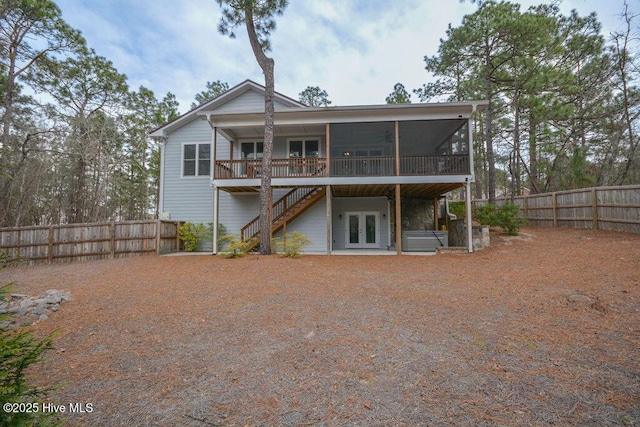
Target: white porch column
{"x":469,"y":219}
{"x":216,"y":204}
{"x":329,"y":220}
{"x":398,"y":220}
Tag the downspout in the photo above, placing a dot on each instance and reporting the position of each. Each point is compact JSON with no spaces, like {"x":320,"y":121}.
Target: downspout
{"x":469,"y":221}
{"x":216,"y":193}
{"x":470,"y":180}
{"x":162,"y":166}
{"x":216,"y":200}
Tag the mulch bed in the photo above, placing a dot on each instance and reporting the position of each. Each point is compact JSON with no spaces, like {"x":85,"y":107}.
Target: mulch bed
{"x":541,"y":329}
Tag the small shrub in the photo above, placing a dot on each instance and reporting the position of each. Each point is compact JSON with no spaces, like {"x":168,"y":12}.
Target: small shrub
{"x":507,"y":218}
{"x":235,"y":247}
{"x":485,"y":214}
{"x":222,"y":232}
{"x":190,"y":234}
{"x":19,"y":350}
{"x":292,"y":244}
{"x":458,"y":209}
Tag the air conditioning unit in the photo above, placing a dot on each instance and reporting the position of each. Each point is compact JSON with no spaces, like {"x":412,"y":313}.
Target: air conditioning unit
{"x":165,"y":216}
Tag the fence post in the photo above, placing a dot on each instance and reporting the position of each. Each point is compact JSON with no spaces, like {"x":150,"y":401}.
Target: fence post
{"x":158,"y":237}
{"x":177,"y":236}
{"x":554,"y":204}
{"x":594,"y":208}
{"x":50,"y":245}
{"x":113,"y":239}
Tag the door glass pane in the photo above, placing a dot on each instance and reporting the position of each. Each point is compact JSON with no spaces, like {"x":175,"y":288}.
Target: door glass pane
{"x":311,"y":149}
{"x":354,"y":229}
{"x":295,"y":149}
{"x":247,"y":149}
{"x":259,"y":148}
{"x":370,"y":221}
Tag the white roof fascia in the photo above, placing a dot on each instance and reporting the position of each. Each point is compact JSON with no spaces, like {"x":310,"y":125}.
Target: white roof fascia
{"x":351,"y":114}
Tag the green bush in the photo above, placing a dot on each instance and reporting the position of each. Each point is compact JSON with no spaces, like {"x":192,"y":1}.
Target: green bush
{"x":459,"y":209}
{"x":222,"y":232}
{"x":19,"y":349}
{"x":190,"y":234}
{"x":235,"y":247}
{"x":485,"y":214}
{"x":505,"y":217}
{"x":292,"y":244}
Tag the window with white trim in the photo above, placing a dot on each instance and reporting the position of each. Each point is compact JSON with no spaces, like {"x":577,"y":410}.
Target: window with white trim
{"x":196,"y":160}
{"x":304,"y":148}
{"x":251,"y":150}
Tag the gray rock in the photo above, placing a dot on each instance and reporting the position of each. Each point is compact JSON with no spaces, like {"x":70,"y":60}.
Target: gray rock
{"x":26,"y":303}
{"x":38,"y":311}
{"x":43,"y":317}
{"x":18,"y":310}
{"x":53,"y":299}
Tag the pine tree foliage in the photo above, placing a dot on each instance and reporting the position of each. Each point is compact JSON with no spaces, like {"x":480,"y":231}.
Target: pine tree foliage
{"x":563,"y":98}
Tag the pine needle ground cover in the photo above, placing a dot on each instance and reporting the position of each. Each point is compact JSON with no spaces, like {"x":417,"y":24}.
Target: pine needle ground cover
{"x":538,"y":329}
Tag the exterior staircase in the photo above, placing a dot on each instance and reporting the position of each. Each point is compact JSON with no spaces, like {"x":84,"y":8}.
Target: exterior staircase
{"x":284,"y":210}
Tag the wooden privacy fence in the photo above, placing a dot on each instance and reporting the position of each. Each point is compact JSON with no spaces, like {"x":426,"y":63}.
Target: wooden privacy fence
{"x":604,"y":208}
{"x":79,"y":242}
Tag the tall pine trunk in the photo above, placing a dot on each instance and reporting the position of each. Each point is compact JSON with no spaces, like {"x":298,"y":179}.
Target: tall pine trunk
{"x":266,"y":195}
{"x":488,"y":125}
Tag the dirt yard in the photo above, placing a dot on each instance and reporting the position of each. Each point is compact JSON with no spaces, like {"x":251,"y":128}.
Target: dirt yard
{"x":543,"y":329}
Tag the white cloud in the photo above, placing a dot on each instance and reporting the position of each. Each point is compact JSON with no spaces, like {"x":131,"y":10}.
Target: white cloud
{"x":356,"y":50}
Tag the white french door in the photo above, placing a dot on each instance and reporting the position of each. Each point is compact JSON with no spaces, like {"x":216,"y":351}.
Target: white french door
{"x":362,"y":230}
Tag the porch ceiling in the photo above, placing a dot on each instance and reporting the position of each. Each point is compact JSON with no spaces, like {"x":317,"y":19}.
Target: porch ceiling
{"x":250,"y":132}
{"x":388,"y":190}
{"x":426,"y":191}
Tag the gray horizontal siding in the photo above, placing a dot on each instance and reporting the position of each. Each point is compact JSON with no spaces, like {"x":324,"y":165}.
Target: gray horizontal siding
{"x":188,"y":198}
{"x":236,"y":210}
{"x":313,"y":224}
{"x":248,"y":101}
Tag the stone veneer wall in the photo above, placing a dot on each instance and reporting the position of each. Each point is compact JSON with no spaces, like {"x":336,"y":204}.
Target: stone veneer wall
{"x":458,"y":235}
{"x":417,"y":214}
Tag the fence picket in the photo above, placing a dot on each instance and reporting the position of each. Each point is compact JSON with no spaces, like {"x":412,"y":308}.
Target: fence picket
{"x":72,"y":242}
{"x":602,"y":208}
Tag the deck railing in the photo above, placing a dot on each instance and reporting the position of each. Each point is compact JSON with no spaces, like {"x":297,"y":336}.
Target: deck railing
{"x":363,"y":166}
{"x":280,"y":168}
{"x":345,"y":166}
{"x":452,"y":164}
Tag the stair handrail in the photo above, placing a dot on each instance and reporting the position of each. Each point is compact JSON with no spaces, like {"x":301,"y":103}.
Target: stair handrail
{"x":279,"y":209}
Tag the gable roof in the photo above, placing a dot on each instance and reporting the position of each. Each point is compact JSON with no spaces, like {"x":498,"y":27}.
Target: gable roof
{"x":219,"y":100}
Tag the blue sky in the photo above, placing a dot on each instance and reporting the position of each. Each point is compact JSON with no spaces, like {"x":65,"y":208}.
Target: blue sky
{"x":355,"y":50}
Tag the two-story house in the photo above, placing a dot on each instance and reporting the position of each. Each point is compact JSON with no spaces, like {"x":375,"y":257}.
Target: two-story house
{"x":343,"y":176}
